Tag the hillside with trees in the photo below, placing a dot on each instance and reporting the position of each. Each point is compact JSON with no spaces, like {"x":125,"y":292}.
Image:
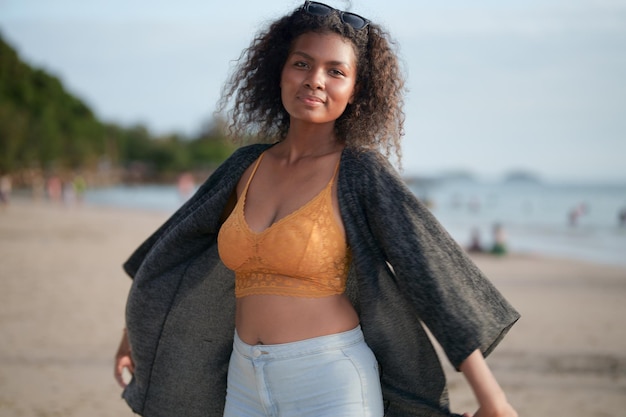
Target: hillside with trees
{"x":45,"y":130}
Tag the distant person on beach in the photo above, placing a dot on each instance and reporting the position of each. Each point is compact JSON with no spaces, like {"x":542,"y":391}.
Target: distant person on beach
{"x":68,"y":195}
{"x":38,"y":185}
{"x":54,"y":189}
{"x":6,"y":187}
{"x":295,"y":281}
{"x":79,"y":186}
{"x":186,"y":185}
{"x":499,"y":240}
{"x":475,"y":245}
{"x":576,"y":213}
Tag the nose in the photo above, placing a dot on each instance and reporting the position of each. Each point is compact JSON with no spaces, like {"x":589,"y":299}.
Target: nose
{"x":314,"y":80}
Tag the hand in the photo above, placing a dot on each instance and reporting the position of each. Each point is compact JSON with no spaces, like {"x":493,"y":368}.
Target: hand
{"x":123,"y":359}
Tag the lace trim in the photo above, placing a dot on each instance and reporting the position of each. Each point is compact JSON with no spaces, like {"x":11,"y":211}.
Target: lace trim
{"x":262,"y":283}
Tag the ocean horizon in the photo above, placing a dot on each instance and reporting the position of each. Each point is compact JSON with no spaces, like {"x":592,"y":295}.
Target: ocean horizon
{"x":571,"y":221}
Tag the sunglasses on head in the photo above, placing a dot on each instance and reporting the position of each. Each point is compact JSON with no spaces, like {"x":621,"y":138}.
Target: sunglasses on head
{"x":320,"y":9}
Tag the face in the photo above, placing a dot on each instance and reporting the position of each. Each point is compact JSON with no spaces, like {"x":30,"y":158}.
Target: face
{"x":318,"y":78}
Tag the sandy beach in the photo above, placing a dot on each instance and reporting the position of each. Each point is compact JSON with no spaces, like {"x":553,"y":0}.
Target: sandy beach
{"x":62,"y":296}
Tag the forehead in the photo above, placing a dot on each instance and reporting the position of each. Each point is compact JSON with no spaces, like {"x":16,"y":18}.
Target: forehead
{"x":325,"y":47}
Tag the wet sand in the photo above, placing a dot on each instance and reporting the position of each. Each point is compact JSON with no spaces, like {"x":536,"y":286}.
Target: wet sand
{"x":62,"y":296}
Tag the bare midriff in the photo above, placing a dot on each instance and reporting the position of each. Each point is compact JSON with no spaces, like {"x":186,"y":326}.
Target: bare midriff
{"x":276,"y":319}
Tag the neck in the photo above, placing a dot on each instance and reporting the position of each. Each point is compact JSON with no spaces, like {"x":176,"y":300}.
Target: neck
{"x":310,"y":140}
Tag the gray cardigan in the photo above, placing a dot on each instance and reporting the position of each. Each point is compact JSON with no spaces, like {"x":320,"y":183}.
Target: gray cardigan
{"x":406,"y":272}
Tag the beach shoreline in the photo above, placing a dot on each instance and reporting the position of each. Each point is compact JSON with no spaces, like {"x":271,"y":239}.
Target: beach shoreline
{"x":63,"y":291}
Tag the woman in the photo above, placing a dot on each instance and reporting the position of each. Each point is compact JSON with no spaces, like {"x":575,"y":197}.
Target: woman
{"x":336,"y":264}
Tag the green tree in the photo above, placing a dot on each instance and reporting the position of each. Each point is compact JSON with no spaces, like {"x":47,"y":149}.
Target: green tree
{"x":43,"y":125}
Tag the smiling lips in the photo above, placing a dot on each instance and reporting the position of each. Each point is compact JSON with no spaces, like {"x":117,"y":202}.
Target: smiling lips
{"x":309,"y":99}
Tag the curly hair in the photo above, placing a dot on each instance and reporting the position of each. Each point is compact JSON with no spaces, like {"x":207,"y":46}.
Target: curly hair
{"x":375,"y":118}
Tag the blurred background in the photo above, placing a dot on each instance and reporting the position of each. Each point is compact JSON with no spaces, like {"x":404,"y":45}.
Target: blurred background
{"x":515,"y":110}
{"x":515,"y":138}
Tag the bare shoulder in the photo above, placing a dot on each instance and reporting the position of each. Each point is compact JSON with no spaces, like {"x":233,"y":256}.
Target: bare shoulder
{"x":243,"y":180}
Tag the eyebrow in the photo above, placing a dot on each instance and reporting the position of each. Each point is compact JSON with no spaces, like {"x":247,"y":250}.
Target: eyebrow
{"x":307,"y":56}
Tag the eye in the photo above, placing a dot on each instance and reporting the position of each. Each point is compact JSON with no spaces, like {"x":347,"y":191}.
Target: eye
{"x":336,"y":73}
{"x":300,"y":64}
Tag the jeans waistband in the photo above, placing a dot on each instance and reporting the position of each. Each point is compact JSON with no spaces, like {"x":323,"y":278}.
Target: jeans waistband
{"x":300,"y":347}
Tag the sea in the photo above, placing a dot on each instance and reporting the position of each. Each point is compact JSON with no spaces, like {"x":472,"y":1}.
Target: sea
{"x":571,"y":221}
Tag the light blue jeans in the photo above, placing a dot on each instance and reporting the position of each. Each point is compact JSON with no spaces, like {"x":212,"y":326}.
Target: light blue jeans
{"x":327,"y":376}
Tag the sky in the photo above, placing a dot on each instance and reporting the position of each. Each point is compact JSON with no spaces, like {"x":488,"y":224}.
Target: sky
{"x":493,"y":86}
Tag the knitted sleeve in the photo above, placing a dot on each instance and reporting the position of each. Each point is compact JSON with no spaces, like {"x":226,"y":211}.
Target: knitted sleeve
{"x":451,"y":296}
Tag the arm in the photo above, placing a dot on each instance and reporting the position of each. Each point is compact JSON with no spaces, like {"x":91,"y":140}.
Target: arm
{"x":123,"y":360}
{"x":491,"y":399}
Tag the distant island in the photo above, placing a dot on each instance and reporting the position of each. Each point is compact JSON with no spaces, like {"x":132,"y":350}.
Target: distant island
{"x":465,"y":176}
{"x":520,"y":176}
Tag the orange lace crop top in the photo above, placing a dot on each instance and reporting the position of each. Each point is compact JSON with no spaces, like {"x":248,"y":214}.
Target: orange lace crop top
{"x":304,"y":254}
